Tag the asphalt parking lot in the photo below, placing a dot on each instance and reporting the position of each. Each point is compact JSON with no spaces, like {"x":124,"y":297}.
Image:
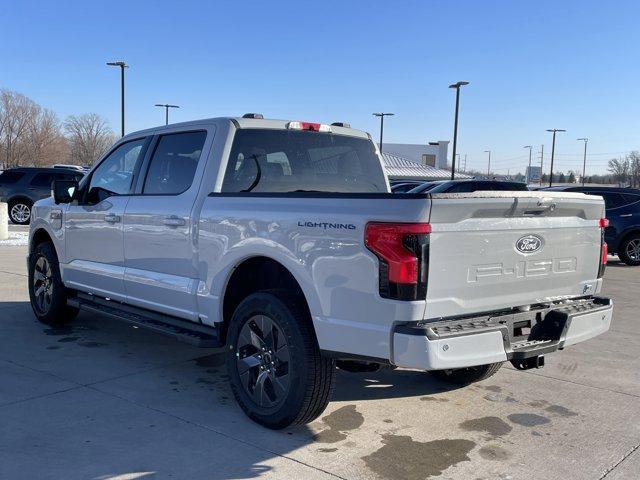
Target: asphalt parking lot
{"x":103,"y":400}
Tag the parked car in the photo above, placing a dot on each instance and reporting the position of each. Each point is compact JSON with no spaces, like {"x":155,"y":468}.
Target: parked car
{"x":403,"y":187}
{"x":623,"y":212}
{"x":21,"y":187}
{"x":281,"y":242}
{"x":468,"y":186}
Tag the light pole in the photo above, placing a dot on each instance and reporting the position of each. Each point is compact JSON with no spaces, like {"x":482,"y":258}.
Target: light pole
{"x":122,"y":66}
{"x":166,"y":107}
{"x":553,"y":150}
{"x":529,"y":170}
{"x":455,"y":126}
{"x":584,"y":160}
{"x":489,"y":163}
{"x":541,"y":162}
{"x":382,"y":115}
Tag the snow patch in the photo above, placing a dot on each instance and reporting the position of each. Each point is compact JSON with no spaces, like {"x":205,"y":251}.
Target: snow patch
{"x":16,"y":239}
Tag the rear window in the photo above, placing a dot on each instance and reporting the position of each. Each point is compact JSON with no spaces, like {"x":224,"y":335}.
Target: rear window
{"x":9,"y":177}
{"x":289,"y":161}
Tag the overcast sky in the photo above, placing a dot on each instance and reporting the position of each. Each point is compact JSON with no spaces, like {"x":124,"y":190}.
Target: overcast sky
{"x":532,"y":66}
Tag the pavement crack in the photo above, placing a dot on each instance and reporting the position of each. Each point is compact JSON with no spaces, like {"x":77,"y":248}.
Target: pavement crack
{"x":14,"y":273}
{"x":627,"y":455}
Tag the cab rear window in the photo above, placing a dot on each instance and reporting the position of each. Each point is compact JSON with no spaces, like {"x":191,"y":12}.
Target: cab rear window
{"x":263,"y":160}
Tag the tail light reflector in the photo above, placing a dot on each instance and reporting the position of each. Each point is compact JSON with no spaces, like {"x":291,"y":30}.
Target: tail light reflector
{"x":403,"y":252}
{"x":604,"y":249}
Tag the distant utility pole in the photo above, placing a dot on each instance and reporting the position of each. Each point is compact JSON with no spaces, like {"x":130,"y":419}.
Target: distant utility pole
{"x":489,"y":163}
{"x":122,"y":66}
{"x":529,"y":170}
{"x":553,"y":150}
{"x":465,"y":162}
{"x":584,"y":160}
{"x":455,"y":126}
{"x":166,"y":107}
{"x":458,"y":162}
{"x":382,"y":115}
{"x":541,"y":162}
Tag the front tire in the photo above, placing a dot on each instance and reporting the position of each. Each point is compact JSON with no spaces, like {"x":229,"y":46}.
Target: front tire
{"x":47,"y":293}
{"x":629,"y":251}
{"x":20,"y":211}
{"x":465,"y":376}
{"x":276,"y":370}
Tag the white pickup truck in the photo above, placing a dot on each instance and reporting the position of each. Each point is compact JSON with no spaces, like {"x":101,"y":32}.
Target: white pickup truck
{"x":281,"y":242}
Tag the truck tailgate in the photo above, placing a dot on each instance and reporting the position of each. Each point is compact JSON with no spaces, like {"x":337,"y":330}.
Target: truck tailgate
{"x":495,"y":250}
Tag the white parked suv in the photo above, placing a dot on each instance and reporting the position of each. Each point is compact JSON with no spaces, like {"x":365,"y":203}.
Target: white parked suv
{"x":280,"y":240}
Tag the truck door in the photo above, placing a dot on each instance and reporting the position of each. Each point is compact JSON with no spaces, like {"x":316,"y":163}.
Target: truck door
{"x":93,"y":225}
{"x":161,"y":268}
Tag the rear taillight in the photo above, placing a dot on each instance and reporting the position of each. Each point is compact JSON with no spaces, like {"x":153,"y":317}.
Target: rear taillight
{"x":604,"y":249}
{"x":403,"y":253}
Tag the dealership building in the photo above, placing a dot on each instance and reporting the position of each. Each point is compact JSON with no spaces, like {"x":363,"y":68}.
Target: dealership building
{"x":406,"y":161}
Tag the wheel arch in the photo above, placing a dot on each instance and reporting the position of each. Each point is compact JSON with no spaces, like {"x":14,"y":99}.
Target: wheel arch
{"x":21,"y":196}
{"x":253,"y":274}
{"x":41,"y":235}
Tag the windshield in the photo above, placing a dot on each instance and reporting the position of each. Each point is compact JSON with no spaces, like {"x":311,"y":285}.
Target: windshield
{"x":264,"y":160}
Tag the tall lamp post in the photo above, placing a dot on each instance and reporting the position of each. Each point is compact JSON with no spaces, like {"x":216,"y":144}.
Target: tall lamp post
{"x":455,"y":126}
{"x":166,"y":107}
{"x":584,"y":160}
{"x":382,"y":115}
{"x":122,"y":66}
{"x":529,"y":170}
{"x":553,"y":150}
{"x":489,"y":163}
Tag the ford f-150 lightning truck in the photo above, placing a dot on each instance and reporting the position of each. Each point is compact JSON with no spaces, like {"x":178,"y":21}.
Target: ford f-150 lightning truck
{"x":281,"y":242}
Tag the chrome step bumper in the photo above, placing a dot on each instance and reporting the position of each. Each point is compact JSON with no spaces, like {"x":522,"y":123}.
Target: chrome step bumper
{"x":500,"y":336}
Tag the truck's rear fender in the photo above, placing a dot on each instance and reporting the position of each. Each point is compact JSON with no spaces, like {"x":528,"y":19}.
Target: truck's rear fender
{"x":320,"y":241}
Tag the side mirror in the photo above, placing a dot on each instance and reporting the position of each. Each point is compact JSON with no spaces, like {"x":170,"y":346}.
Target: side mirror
{"x":63,"y":190}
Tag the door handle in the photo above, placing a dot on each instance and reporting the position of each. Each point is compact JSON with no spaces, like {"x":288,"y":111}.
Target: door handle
{"x":112,"y":218}
{"x":626,"y":215}
{"x":174,"y":221}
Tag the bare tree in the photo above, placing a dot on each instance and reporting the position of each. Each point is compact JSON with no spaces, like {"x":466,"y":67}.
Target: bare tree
{"x":46,"y":144}
{"x":17,"y":112}
{"x":634,"y":168}
{"x":619,"y":168}
{"x":89,"y":137}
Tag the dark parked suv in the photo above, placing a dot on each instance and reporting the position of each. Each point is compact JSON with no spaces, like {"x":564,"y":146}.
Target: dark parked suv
{"x":467,"y":186}
{"x":21,"y":187}
{"x":623,"y":211}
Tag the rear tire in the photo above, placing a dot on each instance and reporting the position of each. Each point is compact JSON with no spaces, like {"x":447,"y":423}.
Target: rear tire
{"x":629,"y":251}
{"x":465,"y":376}
{"x":47,"y":293}
{"x":20,"y":211}
{"x":276,"y":370}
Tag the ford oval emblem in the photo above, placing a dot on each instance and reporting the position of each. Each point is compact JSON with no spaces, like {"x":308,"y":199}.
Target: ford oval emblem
{"x":529,"y":244}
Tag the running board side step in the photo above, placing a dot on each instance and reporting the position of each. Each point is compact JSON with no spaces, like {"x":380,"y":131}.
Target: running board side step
{"x":192,"y":333}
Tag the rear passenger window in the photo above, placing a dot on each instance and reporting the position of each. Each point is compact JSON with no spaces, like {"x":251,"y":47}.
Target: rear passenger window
{"x":9,"y":177}
{"x":42,"y":180}
{"x":612,"y":200}
{"x":173,"y":164}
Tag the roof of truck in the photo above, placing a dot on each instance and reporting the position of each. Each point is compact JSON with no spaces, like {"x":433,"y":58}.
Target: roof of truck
{"x":241,"y":122}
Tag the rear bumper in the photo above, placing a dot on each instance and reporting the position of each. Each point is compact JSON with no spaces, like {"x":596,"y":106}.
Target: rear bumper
{"x":491,"y":338}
